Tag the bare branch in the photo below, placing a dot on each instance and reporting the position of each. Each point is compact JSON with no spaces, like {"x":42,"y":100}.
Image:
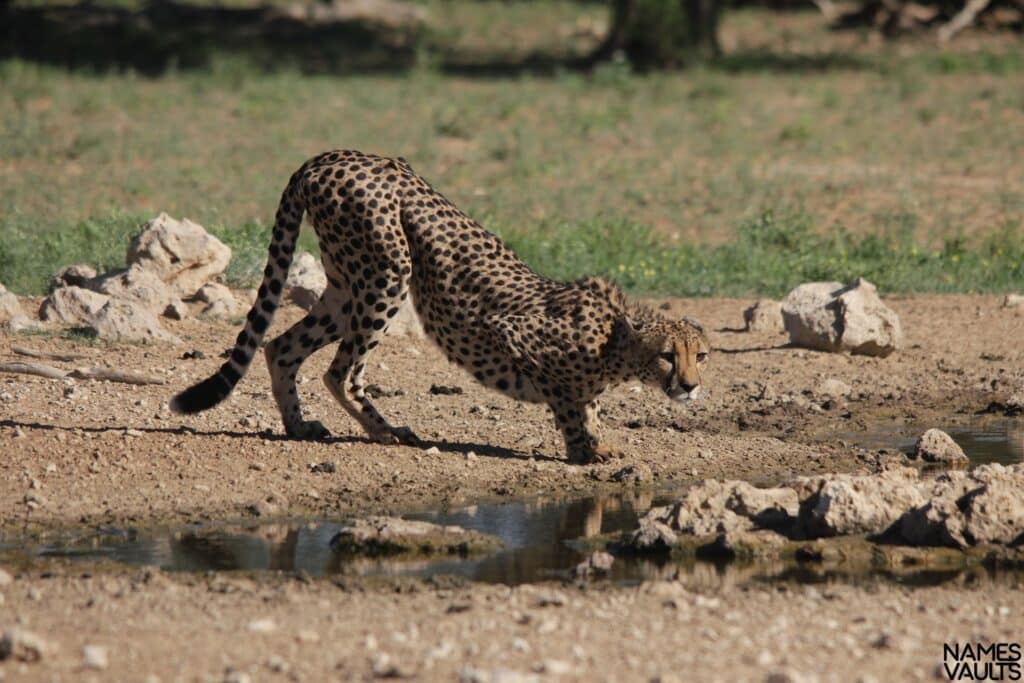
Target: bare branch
{"x":38,"y":369}
{"x":962,"y":20}
{"x":112,"y":375}
{"x":67,"y":357}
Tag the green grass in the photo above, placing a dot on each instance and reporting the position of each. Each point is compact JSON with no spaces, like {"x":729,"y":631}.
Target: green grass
{"x":914,"y":152}
{"x":767,"y":256}
{"x":771,"y":256}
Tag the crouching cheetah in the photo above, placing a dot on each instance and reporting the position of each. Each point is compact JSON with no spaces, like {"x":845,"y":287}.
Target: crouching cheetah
{"x":383,"y":231}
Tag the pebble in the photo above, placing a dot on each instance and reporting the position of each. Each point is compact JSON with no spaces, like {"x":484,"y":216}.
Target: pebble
{"x":5,"y":577}
{"x":471,"y":456}
{"x":555,"y":667}
{"x":385,"y":667}
{"x":22,"y":646}
{"x":433,"y":450}
{"x":262,"y":626}
{"x":277,"y":664}
{"x":95,"y":657}
{"x":442,"y":390}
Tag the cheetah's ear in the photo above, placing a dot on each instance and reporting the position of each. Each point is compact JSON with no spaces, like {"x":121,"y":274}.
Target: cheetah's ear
{"x":625,"y":330}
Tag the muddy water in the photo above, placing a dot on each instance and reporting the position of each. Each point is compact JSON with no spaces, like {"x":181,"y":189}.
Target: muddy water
{"x":543,"y":538}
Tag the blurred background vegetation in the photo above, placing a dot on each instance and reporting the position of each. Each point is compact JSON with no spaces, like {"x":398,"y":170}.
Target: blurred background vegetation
{"x":679,"y":146}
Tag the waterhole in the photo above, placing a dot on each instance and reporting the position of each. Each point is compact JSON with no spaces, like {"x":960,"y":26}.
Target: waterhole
{"x":543,"y":539}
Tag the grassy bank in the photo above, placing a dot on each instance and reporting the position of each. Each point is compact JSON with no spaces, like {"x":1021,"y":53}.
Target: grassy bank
{"x":767,"y":255}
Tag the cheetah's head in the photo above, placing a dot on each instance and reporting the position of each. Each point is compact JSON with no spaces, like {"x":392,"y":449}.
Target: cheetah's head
{"x":671,"y":355}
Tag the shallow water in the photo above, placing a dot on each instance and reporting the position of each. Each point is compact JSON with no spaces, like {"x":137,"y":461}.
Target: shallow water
{"x":992,"y":441}
{"x":542,"y":542}
{"x":543,"y":538}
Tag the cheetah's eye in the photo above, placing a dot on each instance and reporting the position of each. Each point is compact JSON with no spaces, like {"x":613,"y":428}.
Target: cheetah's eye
{"x":701,"y":357}
{"x":668,"y":357}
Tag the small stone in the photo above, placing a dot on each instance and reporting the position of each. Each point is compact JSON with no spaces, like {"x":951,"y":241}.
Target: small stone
{"x":634,"y":475}
{"x":326,"y":467}
{"x":235,"y":676}
{"x":471,"y":456}
{"x":555,"y":667}
{"x":94,"y":657}
{"x":764,"y":316}
{"x":1013,"y":301}
{"x":433,"y":450}
{"x":385,"y":667}
{"x":277,"y":664}
{"x":308,"y":636}
{"x":551,"y":599}
{"x":936,"y":445}
{"x":442,"y":390}
{"x":832,"y":388}
{"x":262,"y":626}
{"x":598,"y":563}
{"x":5,"y":578}
{"x":22,"y":646}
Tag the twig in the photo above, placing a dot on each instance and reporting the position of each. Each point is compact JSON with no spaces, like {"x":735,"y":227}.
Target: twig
{"x":66,"y":357}
{"x":962,"y":20}
{"x":93,"y":373}
{"x":112,"y":375}
{"x":39,"y":369}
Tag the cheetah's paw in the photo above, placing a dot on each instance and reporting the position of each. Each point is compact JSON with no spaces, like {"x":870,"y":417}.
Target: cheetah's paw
{"x":312,"y":430}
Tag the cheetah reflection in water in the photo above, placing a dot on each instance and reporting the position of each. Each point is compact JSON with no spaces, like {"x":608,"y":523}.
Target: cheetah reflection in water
{"x":384,"y":233}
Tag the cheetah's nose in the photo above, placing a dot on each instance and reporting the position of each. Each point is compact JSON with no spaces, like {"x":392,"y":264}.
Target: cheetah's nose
{"x":688,"y":388}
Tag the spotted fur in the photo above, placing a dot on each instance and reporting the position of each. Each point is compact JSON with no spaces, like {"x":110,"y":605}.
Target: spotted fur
{"x":385,"y":232}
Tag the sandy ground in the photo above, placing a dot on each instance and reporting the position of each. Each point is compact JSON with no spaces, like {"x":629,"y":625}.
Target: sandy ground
{"x":87,"y":453}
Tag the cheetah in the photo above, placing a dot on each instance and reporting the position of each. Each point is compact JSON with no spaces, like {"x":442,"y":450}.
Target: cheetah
{"x":385,"y":233}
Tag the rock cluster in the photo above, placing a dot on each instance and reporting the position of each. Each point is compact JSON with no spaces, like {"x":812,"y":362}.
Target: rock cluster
{"x":956,"y":509}
{"x":829,"y":316}
{"x":169,"y":261}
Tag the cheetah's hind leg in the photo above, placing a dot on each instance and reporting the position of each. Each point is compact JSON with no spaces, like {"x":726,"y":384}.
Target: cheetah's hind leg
{"x":286,"y":353}
{"x":344,"y":378}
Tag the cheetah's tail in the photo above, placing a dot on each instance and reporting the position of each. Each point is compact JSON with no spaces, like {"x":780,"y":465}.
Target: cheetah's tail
{"x":217,"y":387}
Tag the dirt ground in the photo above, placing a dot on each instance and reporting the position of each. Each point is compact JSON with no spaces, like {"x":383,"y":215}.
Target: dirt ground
{"x":89,"y":453}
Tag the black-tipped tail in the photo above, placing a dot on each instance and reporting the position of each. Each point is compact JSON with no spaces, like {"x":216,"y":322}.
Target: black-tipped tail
{"x":215,"y":389}
{"x":202,"y":396}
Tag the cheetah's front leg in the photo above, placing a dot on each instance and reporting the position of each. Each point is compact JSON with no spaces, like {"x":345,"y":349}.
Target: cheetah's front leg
{"x":579,"y":425}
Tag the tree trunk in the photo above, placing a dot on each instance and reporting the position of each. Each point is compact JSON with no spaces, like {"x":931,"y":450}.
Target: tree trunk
{"x":702,"y":15}
{"x":661,"y":33}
